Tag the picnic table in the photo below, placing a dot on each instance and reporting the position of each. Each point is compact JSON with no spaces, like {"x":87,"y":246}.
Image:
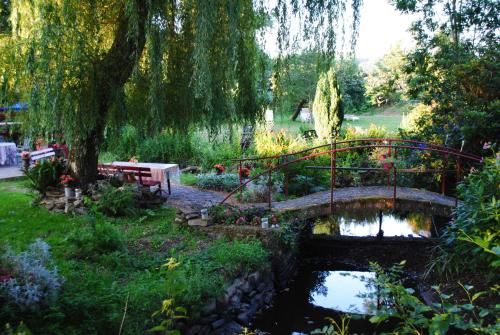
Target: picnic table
{"x":8,"y":154}
{"x":159,"y":171}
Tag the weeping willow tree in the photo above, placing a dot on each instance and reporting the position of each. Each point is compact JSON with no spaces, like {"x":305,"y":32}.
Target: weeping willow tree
{"x":327,"y":107}
{"x":89,"y":65}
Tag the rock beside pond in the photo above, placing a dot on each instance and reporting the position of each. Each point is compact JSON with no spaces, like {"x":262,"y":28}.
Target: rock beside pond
{"x":236,"y":307}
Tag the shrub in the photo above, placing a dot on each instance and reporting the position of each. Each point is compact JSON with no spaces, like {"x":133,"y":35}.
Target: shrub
{"x":270,"y":143}
{"x":98,"y":238}
{"x":116,"y":201}
{"x":167,"y":148}
{"x":327,"y":107}
{"x":44,"y":174}
{"x":208,"y":154}
{"x":472,"y":241}
{"x":399,"y":304}
{"x":258,"y":190}
{"x":218,"y":182}
{"x":28,"y":282}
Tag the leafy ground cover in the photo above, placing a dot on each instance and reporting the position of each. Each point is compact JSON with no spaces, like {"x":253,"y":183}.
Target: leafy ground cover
{"x":109,"y":263}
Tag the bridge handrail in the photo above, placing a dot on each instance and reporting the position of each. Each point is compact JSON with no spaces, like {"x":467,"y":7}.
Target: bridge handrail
{"x":390,"y":140}
{"x":440,"y":149}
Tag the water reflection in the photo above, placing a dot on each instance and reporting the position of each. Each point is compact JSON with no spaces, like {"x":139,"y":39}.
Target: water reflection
{"x":376,"y":224}
{"x":345,"y":292}
{"x":318,"y":294}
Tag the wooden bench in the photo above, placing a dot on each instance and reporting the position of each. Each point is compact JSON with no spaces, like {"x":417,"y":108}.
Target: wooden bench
{"x":141,"y":175}
{"x":42,"y":154}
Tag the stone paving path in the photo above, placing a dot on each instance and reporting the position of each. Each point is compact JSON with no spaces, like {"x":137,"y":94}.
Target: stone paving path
{"x":10,"y":172}
{"x":192,"y":200}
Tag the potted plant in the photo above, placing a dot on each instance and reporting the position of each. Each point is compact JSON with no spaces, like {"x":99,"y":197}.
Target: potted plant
{"x":69,"y":185}
{"x":219,"y":168}
{"x":26,"y":157}
{"x":387,"y":163}
{"x":244,"y":172}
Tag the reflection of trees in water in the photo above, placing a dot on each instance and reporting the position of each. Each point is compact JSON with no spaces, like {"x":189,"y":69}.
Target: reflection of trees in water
{"x":317,"y":284}
{"x":328,"y":226}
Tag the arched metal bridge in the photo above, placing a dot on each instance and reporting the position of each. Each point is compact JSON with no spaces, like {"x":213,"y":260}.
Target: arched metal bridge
{"x":449,"y":156}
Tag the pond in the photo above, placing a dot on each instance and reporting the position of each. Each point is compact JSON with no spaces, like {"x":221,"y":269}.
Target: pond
{"x":332,"y":284}
{"x":379,"y":223}
{"x":319,"y":293}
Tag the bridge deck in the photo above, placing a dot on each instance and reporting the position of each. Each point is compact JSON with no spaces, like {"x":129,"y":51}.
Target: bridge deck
{"x":350,"y":194}
{"x":192,"y":200}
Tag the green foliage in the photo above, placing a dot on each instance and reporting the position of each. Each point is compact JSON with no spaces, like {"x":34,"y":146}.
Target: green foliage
{"x":271,"y":143}
{"x":455,"y":69}
{"x":221,"y":151}
{"x":96,"y":239}
{"x":44,"y":174}
{"x":218,"y":182}
{"x":351,"y":80}
{"x":295,"y":81}
{"x":203,"y":274}
{"x":415,"y":317}
{"x":472,"y":241}
{"x":327,"y":107}
{"x":115,"y":201}
{"x":386,"y":84}
{"x":164,"y":147}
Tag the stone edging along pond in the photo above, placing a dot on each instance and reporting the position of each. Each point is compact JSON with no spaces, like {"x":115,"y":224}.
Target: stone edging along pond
{"x":248,"y":294}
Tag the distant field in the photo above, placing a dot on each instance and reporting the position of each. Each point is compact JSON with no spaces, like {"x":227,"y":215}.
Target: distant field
{"x":389,"y":117}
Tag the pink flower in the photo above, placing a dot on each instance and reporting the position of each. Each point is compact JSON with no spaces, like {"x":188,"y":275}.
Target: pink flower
{"x":241,"y":220}
{"x":25,"y":155}
{"x":486,"y":145}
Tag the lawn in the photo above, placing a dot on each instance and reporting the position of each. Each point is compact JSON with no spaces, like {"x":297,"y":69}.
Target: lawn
{"x":108,"y":263}
{"x":389,"y":117}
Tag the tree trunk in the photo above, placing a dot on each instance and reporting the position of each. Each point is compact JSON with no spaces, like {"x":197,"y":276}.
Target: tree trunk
{"x":111,"y":73}
{"x":83,"y":159}
{"x":299,"y":108}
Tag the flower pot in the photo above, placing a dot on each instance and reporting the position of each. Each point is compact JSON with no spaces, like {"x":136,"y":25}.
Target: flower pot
{"x":26,"y":164}
{"x":69,"y":192}
{"x":78,"y":193}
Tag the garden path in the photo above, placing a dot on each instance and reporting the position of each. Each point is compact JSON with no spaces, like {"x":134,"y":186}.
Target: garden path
{"x":10,"y":172}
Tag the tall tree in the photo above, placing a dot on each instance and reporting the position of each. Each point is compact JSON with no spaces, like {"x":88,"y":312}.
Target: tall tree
{"x":85,"y":60}
{"x":327,"y":107}
{"x":386,"y":83}
{"x":455,"y":69}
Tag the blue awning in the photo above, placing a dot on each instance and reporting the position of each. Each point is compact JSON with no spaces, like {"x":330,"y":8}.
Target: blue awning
{"x":15,"y":107}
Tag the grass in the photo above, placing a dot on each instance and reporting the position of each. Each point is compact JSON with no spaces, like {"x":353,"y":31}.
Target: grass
{"x":389,"y":117}
{"x":100,"y":280}
{"x":188,"y":179}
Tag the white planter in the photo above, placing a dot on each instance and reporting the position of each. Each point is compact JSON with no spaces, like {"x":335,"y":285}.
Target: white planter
{"x":78,"y":193}
{"x":69,"y":192}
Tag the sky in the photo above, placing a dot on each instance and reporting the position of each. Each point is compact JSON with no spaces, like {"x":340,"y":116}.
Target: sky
{"x":381,"y":27}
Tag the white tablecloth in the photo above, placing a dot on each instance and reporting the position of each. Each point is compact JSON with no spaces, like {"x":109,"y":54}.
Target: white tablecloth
{"x":8,"y":154}
{"x":158,"y":170}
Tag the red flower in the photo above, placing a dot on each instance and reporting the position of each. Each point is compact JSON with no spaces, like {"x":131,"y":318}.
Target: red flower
{"x":244,"y":172}
{"x":219,"y":167}
{"x":66,"y":179}
{"x":25,"y":155}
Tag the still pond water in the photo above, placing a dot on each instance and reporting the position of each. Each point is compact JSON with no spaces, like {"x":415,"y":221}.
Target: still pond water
{"x":330,"y":290}
{"x":319,"y":294}
{"x":373,"y":223}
